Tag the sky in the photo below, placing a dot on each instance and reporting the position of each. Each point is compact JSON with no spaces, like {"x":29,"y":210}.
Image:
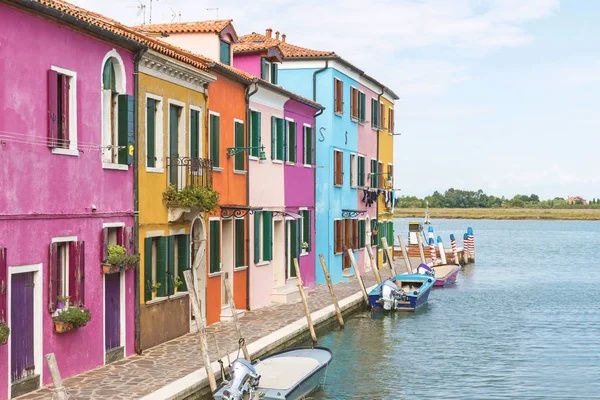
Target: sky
{"x":498,"y":95}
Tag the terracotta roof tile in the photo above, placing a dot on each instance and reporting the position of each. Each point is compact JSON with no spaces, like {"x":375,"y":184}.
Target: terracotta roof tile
{"x":215,"y":26}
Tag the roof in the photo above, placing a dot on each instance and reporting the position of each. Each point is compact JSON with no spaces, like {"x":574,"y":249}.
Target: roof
{"x":106,"y":26}
{"x":214,"y":26}
{"x":296,"y":52}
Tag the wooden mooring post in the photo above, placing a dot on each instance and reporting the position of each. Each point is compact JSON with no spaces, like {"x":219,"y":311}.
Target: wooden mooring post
{"x":311,"y":327}
{"x":421,"y":251}
{"x":330,"y":285}
{"x":454,"y":251}
{"x":59,"y":389}
{"x":405,"y":255}
{"x":357,"y":272}
{"x":236,"y":322}
{"x":465,"y":249}
{"x":189,"y":281}
{"x":386,"y":256}
{"x":373,"y":264}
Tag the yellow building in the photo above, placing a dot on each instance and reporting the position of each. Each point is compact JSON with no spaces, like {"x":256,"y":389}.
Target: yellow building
{"x":385,"y":155}
{"x":172,"y":157}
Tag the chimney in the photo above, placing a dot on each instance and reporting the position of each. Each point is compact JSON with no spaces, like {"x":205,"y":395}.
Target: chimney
{"x":277,"y":35}
{"x":269,"y":32}
{"x":283,"y":38}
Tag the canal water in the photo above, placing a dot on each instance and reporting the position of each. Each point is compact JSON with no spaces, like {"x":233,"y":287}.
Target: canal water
{"x":523,"y":323}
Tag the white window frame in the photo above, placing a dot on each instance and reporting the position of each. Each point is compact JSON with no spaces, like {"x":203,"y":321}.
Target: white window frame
{"x":305,"y":125}
{"x":268,"y":66}
{"x":200,"y":136}
{"x":215,"y":168}
{"x":158,"y":134}
{"x":353,"y":170}
{"x":391,"y":131}
{"x":181,"y":134}
{"x":72,"y":150}
{"x":303,"y":252}
{"x":239,"y":171}
{"x":65,"y":268}
{"x":286,"y":140}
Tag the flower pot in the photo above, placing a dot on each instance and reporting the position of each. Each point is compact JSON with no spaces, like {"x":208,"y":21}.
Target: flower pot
{"x":60,"y":305}
{"x":111,"y":269}
{"x":61,"y":327}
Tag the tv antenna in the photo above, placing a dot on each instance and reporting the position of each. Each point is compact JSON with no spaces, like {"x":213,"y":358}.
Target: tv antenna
{"x":150,"y":19}
{"x":174,"y":15}
{"x":214,"y":9}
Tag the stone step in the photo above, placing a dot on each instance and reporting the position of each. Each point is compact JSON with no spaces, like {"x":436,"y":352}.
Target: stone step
{"x":227,"y":315}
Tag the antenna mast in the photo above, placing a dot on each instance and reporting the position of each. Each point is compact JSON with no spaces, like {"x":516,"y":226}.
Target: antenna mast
{"x":214,"y":9}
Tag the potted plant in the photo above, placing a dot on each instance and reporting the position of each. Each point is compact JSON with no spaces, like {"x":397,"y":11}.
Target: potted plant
{"x":177,"y":282}
{"x":4,"y":332}
{"x":62,"y":302}
{"x":154,"y":288}
{"x":118,"y":260}
{"x":304,"y":245}
{"x":71,"y":318}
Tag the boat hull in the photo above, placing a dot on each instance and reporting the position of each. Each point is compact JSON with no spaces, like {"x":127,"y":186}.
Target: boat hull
{"x":413,"y":300}
{"x":445,"y":275}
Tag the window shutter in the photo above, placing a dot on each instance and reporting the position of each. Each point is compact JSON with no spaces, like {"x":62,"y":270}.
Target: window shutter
{"x":194,"y":135}
{"x":267,"y":236}
{"x":3,"y":283}
{"x":104,"y":253}
{"x":239,"y":161}
{"x":273,"y":137}
{"x":171,"y":265}
{"x":64,"y":105}
{"x":275,"y":74}
{"x":285,"y":140}
{"x":355,"y":244}
{"x":80,"y":273}
{"x":255,"y":133}
{"x":380,"y":176}
{"x":125,"y":129}
{"x":380,"y":233}
{"x":257,"y":237}
{"x":183,"y":259}
{"x":162,"y":250}
{"x":306,"y":223}
{"x":361,"y":233}
{"x":293,"y":245}
{"x":53,"y":275}
{"x":72,"y":273}
{"x":215,"y":129}
{"x":263,"y":68}
{"x":148,"y":269}
{"x":129,"y":240}
{"x":292,"y":141}
{"x":335,"y":95}
{"x":239,"y":243}
{"x":151,"y":132}
{"x":52,"y":108}
{"x":280,"y":139}
{"x":215,"y":246}
{"x":390,"y":233}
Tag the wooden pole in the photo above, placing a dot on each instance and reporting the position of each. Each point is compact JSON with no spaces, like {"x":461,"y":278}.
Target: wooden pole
{"x":442,"y":250}
{"x":305,"y":303}
{"x":373,"y":264}
{"x":357,"y":272}
{"x":405,"y":255}
{"x":421,"y":252}
{"x":189,"y":281}
{"x":59,"y":389}
{"x":465,"y":249}
{"x":386,"y":255}
{"x":335,"y":302}
{"x":454,"y":252}
{"x":231,"y":301}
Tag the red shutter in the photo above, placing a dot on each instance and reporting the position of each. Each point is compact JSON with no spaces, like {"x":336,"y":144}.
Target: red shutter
{"x":121,"y":237}
{"x":104,"y":238}
{"x":65,"y":112}
{"x":53,"y":277}
{"x":3,"y":283}
{"x":73,"y":261}
{"x":128,"y":240}
{"x":80,"y":273}
{"x":52,"y":108}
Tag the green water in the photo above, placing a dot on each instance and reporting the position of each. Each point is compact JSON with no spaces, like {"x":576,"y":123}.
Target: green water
{"x":523,"y":323}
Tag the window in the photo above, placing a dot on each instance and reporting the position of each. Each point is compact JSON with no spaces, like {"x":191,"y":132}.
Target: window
{"x":269,"y":71}
{"x":225,"y":52}
{"x":362,"y":107}
{"x":338,"y":236}
{"x":361,"y":171}
{"x":240,"y":249}
{"x":153,"y":126}
{"x":165,"y":259}
{"x":214,"y":137}
{"x":338,"y":96}
{"x":353,"y":170}
{"x":294,"y":237}
{"x":255,"y":139}
{"x":263,"y":236}
{"x":195,"y":136}
{"x":239,"y":160}
{"x":215,"y":246}
{"x":338,"y":169}
{"x":62,"y":115}
{"x":380,"y":175}
{"x":372,"y":174}
{"x":117,"y":115}
{"x":382,"y":116}
{"x":67,"y":267}
{"x":175,"y":127}
{"x":374,"y":113}
{"x":290,"y":147}
{"x":390,"y":174}
{"x":277,"y":138}
{"x":305,"y":229}
{"x":374,"y":232}
{"x":391,"y":121}
{"x":308,"y":145}
{"x":382,"y":233}
{"x":354,"y":103}
{"x":362,"y":233}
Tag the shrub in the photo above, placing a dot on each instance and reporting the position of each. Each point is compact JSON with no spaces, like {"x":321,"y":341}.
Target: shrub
{"x":117,"y":256}
{"x":75,"y":315}
{"x":4,"y":332}
{"x":204,"y":198}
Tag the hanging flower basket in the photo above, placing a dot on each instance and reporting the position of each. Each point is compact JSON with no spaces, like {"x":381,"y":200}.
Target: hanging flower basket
{"x":4,"y":332}
{"x":71,"y":318}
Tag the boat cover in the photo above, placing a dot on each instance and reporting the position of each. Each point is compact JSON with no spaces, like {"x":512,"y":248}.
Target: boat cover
{"x":282,"y":373}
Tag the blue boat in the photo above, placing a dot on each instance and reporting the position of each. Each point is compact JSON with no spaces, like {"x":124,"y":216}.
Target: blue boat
{"x":405,"y":292}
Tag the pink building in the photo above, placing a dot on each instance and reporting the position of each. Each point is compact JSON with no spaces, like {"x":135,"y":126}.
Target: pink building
{"x":66,"y":136}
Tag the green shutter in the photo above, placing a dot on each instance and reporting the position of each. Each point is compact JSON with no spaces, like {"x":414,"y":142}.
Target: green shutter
{"x":194,"y":134}
{"x":171,"y":266}
{"x":380,"y":233}
{"x":273,"y":137}
{"x":274,"y":73}
{"x":361,"y":171}
{"x":306,"y":228}
{"x":225,"y":53}
{"x":125,"y":128}
{"x":255,"y":133}
{"x":215,"y":246}
{"x":308,"y":145}
{"x":390,"y":233}
{"x":239,"y":160}
{"x":267,"y":236}
{"x":239,"y":243}
{"x":293,"y":246}
{"x":150,"y":133}
{"x":257,"y":237}
{"x":183,"y":259}
{"x":280,"y":140}
{"x":285,"y":140}
{"x":372,"y":177}
{"x":108,"y":75}
{"x":263,"y":68}
{"x":293,"y":139}
{"x":173,"y":143}
{"x":148,"y":269}
{"x":214,"y":139}
{"x":363,"y":107}
{"x":161,"y":265}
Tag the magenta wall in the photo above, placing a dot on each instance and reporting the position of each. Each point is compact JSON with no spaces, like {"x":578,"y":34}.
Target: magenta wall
{"x":299,"y":182}
{"x":59,"y":189}
{"x":248,"y":62}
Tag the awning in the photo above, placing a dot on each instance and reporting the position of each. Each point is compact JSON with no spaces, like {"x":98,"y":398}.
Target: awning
{"x":287,"y":214}
{"x":352,"y":213}
{"x":238,"y":211}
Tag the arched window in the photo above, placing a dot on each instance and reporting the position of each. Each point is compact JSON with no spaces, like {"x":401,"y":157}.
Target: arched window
{"x":114,"y":136}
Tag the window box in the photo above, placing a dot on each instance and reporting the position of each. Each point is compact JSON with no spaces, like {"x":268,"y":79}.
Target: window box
{"x":118,"y":260}
{"x":71,"y":318}
{"x":62,"y":327}
{"x":114,"y":268}
{"x":4,"y":332}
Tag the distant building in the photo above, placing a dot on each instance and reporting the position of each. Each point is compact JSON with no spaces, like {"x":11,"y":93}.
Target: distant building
{"x":576,"y":200}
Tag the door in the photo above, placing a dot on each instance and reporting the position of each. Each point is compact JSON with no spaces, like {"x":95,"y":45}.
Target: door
{"x":347,"y":242}
{"x":21,"y":335}
{"x":228,"y":259}
{"x":199,"y":263}
{"x":174,"y":113}
{"x":112,"y":311}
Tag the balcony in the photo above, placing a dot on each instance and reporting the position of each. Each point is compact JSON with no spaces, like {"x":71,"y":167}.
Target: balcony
{"x":187,"y":171}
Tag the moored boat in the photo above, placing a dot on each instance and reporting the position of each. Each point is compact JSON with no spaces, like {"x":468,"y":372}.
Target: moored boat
{"x":405,"y":292}
{"x":290,"y":375}
{"x":445,"y":274}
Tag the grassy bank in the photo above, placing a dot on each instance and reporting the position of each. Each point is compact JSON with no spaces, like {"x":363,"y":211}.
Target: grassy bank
{"x":500,"y":213}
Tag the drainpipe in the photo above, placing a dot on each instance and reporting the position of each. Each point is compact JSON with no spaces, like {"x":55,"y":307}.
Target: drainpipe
{"x":377,"y":203}
{"x":248,"y":94}
{"x":136,"y":200}
{"x":315,"y":80}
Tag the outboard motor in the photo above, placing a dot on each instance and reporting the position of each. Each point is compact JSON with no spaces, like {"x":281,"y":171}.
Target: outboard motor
{"x":390,"y":294}
{"x":425,"y":269}
{"x":243,"y":383}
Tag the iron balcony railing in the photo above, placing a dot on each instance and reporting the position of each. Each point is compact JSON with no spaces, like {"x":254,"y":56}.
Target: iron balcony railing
{"x":187,"y":171}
